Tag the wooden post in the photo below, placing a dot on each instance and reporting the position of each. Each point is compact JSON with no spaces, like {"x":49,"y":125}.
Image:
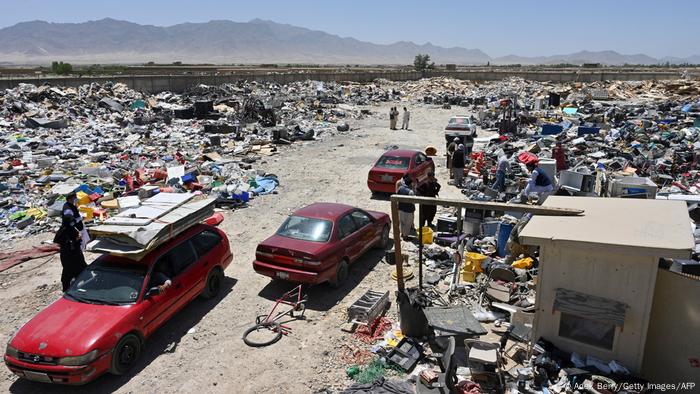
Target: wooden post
{"x":420,"y":247}
{"x":397,"y":243}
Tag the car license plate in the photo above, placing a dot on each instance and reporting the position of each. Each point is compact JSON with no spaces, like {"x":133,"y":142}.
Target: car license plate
{"x":282,"y":275}
{"x":37,"y":376}
{"x":387,"y":178}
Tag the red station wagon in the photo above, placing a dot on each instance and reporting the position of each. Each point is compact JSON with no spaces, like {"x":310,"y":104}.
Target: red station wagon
{"x":317,"y":243}
{"x":101,"y":322}
{"x":393,"y":165}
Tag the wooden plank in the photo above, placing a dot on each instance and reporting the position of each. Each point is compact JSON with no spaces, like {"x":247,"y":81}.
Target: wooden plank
{"x":397,"y":243}
{"x":487,"y":206}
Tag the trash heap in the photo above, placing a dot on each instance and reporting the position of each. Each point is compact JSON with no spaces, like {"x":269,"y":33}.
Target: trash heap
{"x":612,"y":139}
{"x":106,"y":142}
{"x":623,"y":139}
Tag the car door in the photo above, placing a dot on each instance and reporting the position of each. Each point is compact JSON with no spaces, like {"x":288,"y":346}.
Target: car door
{"x":208,"y":246}
{"x":185,"y":262}
{"x":348,"y":236}
{"x":157,"y":307}
{"x":366,"y":231}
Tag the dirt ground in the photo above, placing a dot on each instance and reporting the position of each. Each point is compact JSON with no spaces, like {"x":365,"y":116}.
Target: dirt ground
{"x":201,"y":347}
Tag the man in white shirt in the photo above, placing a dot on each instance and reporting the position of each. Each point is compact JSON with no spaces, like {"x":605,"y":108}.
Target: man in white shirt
{"x":406,"y":118}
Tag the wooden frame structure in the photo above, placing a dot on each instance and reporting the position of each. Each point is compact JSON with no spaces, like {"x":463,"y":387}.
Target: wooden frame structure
{"x":483,"y":205}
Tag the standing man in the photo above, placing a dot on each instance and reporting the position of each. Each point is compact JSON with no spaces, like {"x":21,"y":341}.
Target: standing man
{"x":431,"y":188}
{"x":451,"y":148}
{"x":406,"y":210}
{"x":69,"y":237}
{"x":458,"y":161}
{"x":391,"y":118}
{"x":501,"y":169}
{"x":406,"y":118}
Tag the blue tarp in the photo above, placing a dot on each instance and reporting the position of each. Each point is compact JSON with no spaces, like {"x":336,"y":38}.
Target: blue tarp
{"x":266,"y":184}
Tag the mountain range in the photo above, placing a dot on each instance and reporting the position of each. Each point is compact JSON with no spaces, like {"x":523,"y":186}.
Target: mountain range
{"x":257,"y":41}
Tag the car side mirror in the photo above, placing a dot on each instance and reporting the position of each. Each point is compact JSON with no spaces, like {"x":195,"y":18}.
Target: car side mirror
{"x":153,"y":291}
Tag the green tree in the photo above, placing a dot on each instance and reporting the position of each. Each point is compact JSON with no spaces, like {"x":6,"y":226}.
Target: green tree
{"x":61,"y":68}
{"x":422,"y":63}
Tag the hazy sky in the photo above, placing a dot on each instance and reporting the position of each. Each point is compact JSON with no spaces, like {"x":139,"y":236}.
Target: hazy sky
{"x":529,"y":28}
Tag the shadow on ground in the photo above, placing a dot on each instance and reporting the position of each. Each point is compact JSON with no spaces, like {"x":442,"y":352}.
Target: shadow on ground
{"x":164,"y":340}
{"x":323,"y":297}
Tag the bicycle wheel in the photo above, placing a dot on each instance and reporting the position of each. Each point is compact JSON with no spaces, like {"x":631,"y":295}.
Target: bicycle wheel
{"x":259,"y":336}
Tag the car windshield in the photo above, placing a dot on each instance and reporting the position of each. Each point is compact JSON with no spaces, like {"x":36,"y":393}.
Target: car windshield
{"x":393,"y":162}
{"x":306,"y":229}
{"x":108,"y":284}
{"x":459,"y":122}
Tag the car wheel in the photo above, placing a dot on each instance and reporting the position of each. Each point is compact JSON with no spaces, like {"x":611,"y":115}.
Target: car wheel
{"x":384,"y":242}
{"x":214,"y":281}
{"x":125,"y":354}
{"x":341,"y":274}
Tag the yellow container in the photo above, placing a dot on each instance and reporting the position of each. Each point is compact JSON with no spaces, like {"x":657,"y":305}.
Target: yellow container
{"x":468,"y":276}
{"x":87,"y":211}
{"x":83,"y":198}
{"x":427,"y":235}
{"x":474,"y":260}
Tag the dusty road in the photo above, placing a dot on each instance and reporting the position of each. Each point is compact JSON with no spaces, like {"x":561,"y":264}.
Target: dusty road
{"x":200,"y":349}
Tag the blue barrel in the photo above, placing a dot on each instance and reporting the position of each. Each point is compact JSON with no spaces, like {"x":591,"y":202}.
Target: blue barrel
{"x":504,"y":230}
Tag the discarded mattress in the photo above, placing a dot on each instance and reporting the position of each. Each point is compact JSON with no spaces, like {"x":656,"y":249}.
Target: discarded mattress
{"x":135,"y":231}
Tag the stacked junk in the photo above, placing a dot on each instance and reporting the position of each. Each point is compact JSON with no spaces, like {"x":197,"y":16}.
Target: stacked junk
{"x":137,"y":159}
{"x":111,"y":144}
{"x":467,"y":327}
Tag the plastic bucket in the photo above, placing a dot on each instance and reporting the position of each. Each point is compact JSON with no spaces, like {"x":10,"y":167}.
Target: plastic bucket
{"x":468,"y":276}
{"x":474,"y":260}
{"x":427,"y":235}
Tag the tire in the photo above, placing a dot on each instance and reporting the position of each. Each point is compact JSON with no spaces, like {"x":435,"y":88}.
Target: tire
{"x":384,"y":242}
{"x":273,"y":326}
{"x":214,"y":281}
{"x":341,"y":274}
{"x":125,"y":354}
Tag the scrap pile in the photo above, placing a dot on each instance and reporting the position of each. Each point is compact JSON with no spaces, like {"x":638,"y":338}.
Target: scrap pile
{"x":108,"y":142}
{"x":591,"y":142}
{"x":622,"y":139}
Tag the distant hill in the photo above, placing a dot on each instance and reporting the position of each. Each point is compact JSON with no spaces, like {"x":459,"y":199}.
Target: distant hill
{"x":257,"y":41}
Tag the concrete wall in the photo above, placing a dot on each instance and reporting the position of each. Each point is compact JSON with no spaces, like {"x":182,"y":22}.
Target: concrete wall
{"x":673,"y":341}
{"x":612,"y":273}
{"x":178,"y":83}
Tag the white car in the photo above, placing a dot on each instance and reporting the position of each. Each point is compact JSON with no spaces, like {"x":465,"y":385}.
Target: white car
{"x":461,"y":127}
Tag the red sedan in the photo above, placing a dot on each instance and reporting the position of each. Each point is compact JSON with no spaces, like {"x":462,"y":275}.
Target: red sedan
{"x":393,"y":165}
{"x":101,"y":322}
{"x":317,"y":243}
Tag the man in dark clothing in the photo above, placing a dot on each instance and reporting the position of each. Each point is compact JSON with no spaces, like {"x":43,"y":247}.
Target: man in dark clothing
{"x":406,"y":210}
{"x":539,"y":183}
{"x":68,"y":236}
{"x":451,"y":148}
{"x":431,"y":188}
{"x":458,"y":162}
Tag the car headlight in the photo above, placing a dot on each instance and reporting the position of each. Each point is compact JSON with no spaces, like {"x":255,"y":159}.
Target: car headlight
{"x":73,"y":361}
{"x":10,"y":351}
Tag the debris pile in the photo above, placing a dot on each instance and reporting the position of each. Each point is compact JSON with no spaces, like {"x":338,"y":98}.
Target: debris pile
{"x":107,"y":142}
